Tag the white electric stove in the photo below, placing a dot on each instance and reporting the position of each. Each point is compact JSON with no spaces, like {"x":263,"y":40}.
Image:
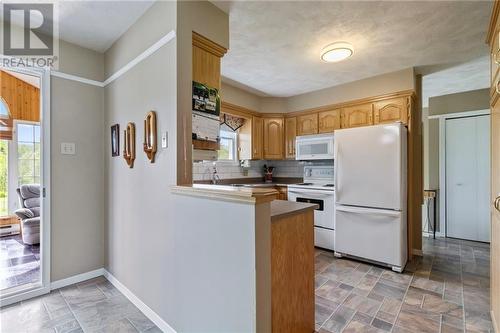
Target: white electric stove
{"x":319,"y":188}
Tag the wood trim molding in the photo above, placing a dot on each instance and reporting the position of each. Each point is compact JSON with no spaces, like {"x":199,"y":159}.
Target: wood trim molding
{"x":493,"y":22}
{"x":207,"y":45}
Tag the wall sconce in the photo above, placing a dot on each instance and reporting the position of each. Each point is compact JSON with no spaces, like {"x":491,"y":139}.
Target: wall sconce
{"x":150,"y":136}
{"x":129,"y":146}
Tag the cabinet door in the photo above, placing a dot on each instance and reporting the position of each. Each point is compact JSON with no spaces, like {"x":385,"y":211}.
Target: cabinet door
{"x":329,"y":121}
{"x":356,"y":116}
{"x":283,"y":192}
{"x":257,"y":135}
{"x":390,"y":110}
{"x":273,"y":138}
{"x":307,"y":124}
{"x":290,"y":134}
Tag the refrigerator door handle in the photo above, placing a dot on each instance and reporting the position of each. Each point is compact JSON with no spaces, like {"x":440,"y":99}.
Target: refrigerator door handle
{"x":371,"y":211}
{"x":336,"y":170}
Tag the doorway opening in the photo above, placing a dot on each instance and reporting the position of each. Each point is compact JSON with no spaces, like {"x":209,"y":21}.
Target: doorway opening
{"x":21,"y":182}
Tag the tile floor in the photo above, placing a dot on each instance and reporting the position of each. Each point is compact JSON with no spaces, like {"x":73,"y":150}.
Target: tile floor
{"x":91,"y":306}
{"x":19,"y":263}
{"x":446,"y":290}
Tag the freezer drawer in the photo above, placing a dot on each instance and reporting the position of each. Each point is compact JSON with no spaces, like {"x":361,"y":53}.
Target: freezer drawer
{"x":373,"y":234}
{"x":324,"y":238}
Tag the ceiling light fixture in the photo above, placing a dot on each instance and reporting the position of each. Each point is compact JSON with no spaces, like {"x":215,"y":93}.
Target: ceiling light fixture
{"x":337,"y":51}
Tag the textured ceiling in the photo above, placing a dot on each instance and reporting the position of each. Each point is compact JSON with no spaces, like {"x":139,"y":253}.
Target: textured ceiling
{"x":95,"y":25}
{"x":275,"y":46}
{"x":472,"y":75}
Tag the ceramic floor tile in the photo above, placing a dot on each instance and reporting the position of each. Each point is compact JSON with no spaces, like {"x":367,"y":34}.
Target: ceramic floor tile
{"x":362,"y":304}
{"x":359,"y":327}
{"x":338,"y":320}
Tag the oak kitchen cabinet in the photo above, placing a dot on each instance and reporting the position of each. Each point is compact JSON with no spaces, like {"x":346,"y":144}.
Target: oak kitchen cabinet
{"x":273,"y":138}
{"x":257,"y":138}
{"x":307,"y":124}
{"x":329,"y":121}
{"x":290,"y":134}
{"x":391,"y":110}
{"x":358,"y":115}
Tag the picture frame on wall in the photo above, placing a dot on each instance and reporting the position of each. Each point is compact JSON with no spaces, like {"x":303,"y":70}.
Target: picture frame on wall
{"x":115,"y":140}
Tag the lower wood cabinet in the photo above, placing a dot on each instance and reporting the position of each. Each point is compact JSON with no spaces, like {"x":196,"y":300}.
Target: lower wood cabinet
{"x":391,"y":110}
{"x":329,"y":121}
{"x":273,"y":138}
{"x":357,"y":116}
{"x":290,"y":134}
{"x":282,"y":192}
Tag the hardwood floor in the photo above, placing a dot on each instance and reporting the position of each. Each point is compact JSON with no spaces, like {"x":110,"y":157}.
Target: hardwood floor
{"x":446,"y":290}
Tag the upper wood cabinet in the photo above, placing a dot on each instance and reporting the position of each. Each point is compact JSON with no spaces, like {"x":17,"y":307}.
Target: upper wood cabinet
{"x":391,"y":110}
{"x":356,"y":116}
{"x":257,"y":136}
{"x":329,"y":121}
{"x":290,"y":134}
{"x":273,"y":138}
{"x":307,"y":124}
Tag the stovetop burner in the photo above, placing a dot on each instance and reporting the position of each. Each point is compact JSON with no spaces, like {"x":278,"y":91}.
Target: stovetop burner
{"x":329,"y":185}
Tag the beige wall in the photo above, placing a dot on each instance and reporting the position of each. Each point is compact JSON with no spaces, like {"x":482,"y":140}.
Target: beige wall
{"x":138,"y":226}
{"x":77,"y":181}
{"x":239,"y":97}
{"x":273,"y":105}
{"x":460,"y":102}
{"x":373,"y":86}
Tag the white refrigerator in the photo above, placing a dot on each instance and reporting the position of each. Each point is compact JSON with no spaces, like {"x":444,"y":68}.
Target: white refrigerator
{"x":370,"y":186}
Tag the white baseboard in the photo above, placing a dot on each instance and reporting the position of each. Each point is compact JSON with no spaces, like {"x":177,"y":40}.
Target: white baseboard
{"x":76,"y":278}
{"x":148,"y":312}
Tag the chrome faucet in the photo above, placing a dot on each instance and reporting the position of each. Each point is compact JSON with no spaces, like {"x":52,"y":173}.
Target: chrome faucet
{"x":215,"y":176}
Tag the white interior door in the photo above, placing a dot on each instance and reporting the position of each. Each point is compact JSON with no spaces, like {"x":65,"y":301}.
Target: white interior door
{"x":467,"y":178}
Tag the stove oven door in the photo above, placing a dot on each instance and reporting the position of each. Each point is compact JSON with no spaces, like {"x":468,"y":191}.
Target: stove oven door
{"x":324,"y":216}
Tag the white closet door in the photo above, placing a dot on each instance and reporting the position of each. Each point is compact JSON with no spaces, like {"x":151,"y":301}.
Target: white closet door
{"x":467,"y":178}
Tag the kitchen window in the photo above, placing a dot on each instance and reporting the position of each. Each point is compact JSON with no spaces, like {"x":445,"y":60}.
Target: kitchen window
{"x":228,"y":145}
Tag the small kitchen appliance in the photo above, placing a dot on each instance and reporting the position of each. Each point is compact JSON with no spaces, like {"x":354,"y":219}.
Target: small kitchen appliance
{"x":314,"y":147}
{"x":318,"y":187}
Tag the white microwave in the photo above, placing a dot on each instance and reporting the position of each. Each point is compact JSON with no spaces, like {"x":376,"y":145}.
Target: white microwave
{"x":314,"y":147}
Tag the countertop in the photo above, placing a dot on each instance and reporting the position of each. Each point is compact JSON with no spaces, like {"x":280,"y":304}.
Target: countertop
{"x":282,"y":208}
{"x":255,"y":182}
{"x":243,"y":194}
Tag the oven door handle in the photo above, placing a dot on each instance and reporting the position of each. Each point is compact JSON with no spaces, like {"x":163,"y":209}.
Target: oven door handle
{"x":315,"y":193}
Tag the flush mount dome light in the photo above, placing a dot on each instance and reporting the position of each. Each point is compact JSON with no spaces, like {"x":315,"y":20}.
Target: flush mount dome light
{"x":336,"y":52}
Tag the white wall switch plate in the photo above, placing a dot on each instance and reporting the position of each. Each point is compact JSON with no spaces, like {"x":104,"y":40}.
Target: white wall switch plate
{"x":68,"y":148}
{"x":164,"y":140}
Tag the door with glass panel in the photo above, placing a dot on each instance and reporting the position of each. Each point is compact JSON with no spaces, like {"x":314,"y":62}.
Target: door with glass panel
{"x":20,"y":183}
